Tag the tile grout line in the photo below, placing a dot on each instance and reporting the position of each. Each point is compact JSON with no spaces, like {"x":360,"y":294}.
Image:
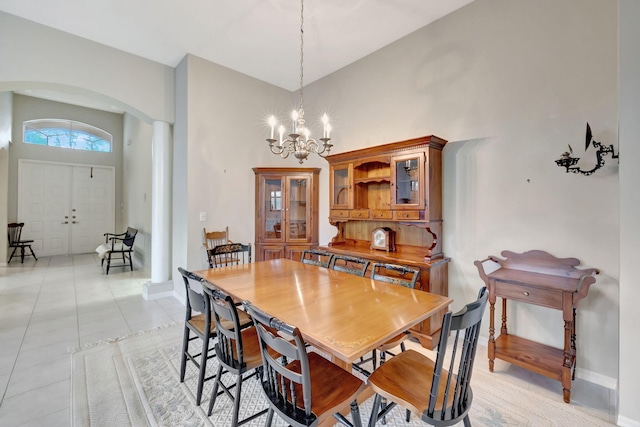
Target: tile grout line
{"x":13,"y":367}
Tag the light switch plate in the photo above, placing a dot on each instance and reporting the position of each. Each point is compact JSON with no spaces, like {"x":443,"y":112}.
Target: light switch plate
{"x":203,"y":216}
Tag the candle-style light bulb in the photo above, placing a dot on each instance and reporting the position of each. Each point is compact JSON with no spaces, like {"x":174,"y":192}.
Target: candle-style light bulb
{"x":325,"y":122}
{"x":294,"y":118}
{"x":281,"y":130}
{"x":272,"y":123}
{"x":328,"y":131}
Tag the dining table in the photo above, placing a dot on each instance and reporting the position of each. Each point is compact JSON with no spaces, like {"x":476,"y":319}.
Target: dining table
{"x":341,"y":314}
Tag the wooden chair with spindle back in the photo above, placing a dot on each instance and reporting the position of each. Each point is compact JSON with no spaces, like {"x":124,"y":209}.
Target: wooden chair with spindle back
{"x":445,"y":394}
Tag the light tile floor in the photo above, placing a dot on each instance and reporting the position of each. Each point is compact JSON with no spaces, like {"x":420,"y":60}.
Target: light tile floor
{"x":53,"y":304}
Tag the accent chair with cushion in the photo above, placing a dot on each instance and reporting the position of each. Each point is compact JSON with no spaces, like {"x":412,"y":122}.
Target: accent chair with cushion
{"x":118,"y":246}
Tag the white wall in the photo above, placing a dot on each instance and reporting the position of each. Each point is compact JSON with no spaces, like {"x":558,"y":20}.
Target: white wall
{"x":509,"y":84}
{"x":219,"y":136}
{"x":629,"y":410}
{"x":33,"y":58}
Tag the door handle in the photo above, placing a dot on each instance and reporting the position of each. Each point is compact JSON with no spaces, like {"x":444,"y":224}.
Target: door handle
{"x":66,"y":222}
{"x":74,"y":222}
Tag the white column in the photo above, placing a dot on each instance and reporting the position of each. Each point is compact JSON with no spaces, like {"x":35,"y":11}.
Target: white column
{"x":160,"y":285}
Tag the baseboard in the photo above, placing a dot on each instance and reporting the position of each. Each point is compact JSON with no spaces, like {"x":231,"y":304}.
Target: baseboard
{"x":596,"y":378}
{"x":627,"y":422}
{"x":152,"y":291}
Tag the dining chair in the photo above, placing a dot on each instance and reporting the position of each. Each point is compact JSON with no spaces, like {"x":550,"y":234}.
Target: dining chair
{"x":308,"y":389}
{"x":202,"y":326}
{"x":440,"y":397}
{"x":349,"y":264}
{"x":398,"y":275}
{"x":238,"y":352}
{"x":14,"y":231}
{"x":115,"y":244}
{"x":316,"y":257}
{"x":229,"y":254}
{"x":213,"y":239}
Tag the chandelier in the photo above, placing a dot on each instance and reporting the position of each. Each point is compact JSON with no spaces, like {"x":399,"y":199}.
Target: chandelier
{"x":299,"y":142}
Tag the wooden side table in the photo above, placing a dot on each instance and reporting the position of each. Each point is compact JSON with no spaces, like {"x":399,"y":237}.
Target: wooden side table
{"x":537,"y":277}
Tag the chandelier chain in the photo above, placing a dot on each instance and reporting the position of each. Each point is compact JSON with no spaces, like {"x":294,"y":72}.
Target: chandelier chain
{"x":300,"y":143}
{"x":301,"y":55}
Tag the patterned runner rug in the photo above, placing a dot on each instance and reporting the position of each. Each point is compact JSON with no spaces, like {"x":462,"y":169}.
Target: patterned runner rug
{"x":134,"y":381}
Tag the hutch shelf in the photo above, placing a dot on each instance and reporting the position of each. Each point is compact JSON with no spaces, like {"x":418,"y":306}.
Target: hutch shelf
{"x":397,"y":186}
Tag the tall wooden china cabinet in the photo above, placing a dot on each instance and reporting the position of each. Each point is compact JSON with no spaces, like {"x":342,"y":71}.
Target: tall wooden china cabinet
{"x":286,"y":212}
{"x":396,"y":187}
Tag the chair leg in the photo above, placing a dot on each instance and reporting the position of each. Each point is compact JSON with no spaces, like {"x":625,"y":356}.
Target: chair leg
{"x":131,"y":260}
{"x":466,"y":421}
{"x":22,"y":254}
{"x":108,"y":262}
{"x":32,"y":253}
{"x":374,"y":411}
{"x":203,"y":369}
{"x":214,"y":393}
{"x":13,"y":253}
{"x":236,"y":401}
{"x":355,"y":414}
{"x":185,"y":347}
{"x":269,"y":418}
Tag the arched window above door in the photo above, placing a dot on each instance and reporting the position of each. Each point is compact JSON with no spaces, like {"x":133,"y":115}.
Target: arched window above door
{"x":66,"y":134}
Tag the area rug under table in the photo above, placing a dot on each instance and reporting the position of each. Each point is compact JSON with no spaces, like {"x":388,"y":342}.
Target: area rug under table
{"x":134,"y":381}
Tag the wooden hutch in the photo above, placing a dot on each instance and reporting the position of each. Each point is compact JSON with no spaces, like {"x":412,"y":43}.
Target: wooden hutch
{"x":286,"y":212}
{"x":398,"y":186}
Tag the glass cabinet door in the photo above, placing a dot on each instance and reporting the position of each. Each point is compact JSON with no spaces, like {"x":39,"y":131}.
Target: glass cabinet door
{"x":341,"y":186}
{"x":274,"y":209}
{"x":408,"y":181}
{"x":298,"y":196}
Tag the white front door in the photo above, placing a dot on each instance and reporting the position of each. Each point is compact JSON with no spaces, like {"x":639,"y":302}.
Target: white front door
{"x":92,"y":210}
{"x":66,"y":208}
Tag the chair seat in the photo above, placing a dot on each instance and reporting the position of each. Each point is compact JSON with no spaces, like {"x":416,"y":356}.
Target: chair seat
{"x":251,"y":348}
{"x":198,"y":322}
{"x":409,"y":367}
{"x":394,"y":342}
{"x":328,"y":398}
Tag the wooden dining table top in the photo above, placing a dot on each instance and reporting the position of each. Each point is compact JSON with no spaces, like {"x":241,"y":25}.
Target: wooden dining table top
{"x":339,"y":313}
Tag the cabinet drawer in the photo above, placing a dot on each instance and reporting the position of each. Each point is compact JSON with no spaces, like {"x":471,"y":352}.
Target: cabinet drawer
{"x":336,"y":213}
{"x":383,"y":214}
{"x":406,"y":215}
{"x":359,"y":213}
{"x":543,"y":297}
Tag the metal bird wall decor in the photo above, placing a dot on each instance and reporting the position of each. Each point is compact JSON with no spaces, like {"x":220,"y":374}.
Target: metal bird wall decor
{"x":569,"y":162}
